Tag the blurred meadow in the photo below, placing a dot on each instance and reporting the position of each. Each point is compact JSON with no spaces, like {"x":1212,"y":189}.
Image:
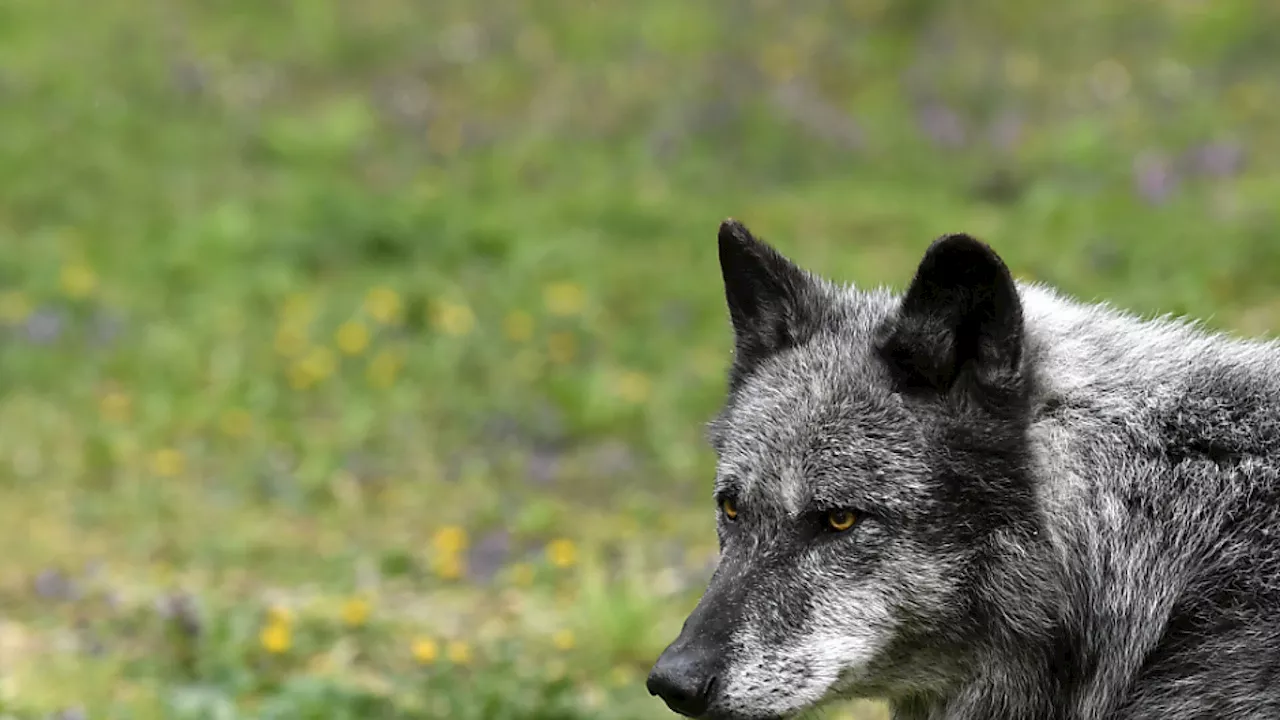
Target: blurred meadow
{"x":356,"y":356}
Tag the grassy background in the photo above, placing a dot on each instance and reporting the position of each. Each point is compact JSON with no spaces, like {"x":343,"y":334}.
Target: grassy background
{"x":355,"y":355}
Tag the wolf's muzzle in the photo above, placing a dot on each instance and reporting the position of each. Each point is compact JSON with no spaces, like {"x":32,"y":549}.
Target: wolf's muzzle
{"x":684,"y":678}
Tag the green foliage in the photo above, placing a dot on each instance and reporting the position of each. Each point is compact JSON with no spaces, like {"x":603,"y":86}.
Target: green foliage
{"x":356,"y":357}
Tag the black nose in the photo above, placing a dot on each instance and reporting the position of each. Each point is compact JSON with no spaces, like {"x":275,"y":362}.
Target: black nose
{"x":683,"y":679}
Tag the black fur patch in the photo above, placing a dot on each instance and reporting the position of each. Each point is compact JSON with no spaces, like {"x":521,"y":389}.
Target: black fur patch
{"x":769,"y":299}
{"x":959,"y":324}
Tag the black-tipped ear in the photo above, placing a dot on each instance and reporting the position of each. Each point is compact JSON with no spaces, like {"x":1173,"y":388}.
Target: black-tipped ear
{"x":960,"y":322}
{"x":770,"y":298}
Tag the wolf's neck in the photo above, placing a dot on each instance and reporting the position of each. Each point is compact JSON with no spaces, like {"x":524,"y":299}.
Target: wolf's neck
{"x":1123,"y":406}
{"x":1093,"y":351}
{"x":1039,"y":659}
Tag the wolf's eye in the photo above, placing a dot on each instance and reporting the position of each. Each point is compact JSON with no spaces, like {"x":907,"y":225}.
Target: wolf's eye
{"x":840,"y":520}
{"x":729,"y":508}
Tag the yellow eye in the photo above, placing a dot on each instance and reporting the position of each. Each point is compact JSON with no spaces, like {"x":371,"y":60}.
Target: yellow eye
{"x":729,"y":508}
{"x":840,"y":520}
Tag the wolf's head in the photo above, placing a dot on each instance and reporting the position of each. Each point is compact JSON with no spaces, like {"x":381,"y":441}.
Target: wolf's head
{"x":870,"y":489}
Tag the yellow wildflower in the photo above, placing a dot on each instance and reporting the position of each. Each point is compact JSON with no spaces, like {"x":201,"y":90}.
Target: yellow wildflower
{"x":355,"y":611}
{"x":563,"y":640}
{"x":448,"y":566}
{"x":77,"y":280}
{"x":562,"y":553}
{"x":425,"y":650}
{"x":459,"y":652}
{"x":518,"y":326}
{"x":564,"y":298}
{"x":115,"y":406}
{"x":168,"y":462}
{"x":634,"y":387}
{"x":352,"y":337}
{"x":235,"y":422}
{"x":383,"y":305}
{"x":275,"y":638}
{"x":449,"y":539}
{"x":290,"y":341}
{"x":621,"y":675}
{"x":315,"y":366}
{"x":453,"y":318}
{"x":383,"y":368}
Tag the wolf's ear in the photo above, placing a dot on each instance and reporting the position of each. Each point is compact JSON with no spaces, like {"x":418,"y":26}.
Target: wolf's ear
{"x":960,"y":318}
{"x":770,"y":299}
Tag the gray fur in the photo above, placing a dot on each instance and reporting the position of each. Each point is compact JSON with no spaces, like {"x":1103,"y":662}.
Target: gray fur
{"x":1115,"y":555}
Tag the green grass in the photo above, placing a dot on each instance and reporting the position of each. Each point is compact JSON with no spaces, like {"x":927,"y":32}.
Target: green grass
{"x":356,"y":355}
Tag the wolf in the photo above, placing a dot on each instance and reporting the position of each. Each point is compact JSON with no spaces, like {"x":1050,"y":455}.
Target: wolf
{"x":981,"y":499}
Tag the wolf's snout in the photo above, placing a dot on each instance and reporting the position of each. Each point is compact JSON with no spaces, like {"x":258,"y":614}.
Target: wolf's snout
{"x":683,"y":678}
